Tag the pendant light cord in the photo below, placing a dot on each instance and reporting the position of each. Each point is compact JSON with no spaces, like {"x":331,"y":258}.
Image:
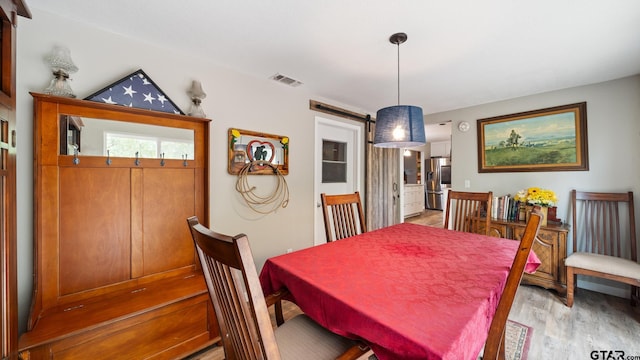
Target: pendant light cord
{"x":398,"y":73}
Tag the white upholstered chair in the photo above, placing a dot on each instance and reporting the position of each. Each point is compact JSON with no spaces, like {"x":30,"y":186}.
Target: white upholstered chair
{"x":604,"y":240}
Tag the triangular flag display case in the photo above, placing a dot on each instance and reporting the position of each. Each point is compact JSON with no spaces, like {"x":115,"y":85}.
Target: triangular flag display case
{"x":136,"y":90}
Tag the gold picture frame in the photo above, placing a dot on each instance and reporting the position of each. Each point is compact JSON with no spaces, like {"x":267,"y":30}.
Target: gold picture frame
{"x":550,"y":139}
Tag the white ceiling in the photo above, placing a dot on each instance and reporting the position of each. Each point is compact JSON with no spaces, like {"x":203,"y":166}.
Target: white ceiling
{"x":459,"y":52}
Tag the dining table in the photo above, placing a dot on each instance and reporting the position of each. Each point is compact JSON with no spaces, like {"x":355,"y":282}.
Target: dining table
{"x":408,"y":291}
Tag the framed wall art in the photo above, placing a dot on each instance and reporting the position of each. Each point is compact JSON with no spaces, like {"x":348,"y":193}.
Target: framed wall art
{"x":551,"y":139}
{"x":262,"y":152}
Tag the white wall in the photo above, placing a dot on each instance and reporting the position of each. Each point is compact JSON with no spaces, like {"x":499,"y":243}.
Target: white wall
{"x":613,"y":121}
{"x":233,"y":100}
{"x":236,"y":100}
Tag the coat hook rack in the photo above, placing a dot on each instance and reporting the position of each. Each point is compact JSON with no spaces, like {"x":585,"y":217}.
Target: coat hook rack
{"x":162,"y":159}
{"x":76,"y":159}
{"x":137,"y":162}
{"x":108,"y":158}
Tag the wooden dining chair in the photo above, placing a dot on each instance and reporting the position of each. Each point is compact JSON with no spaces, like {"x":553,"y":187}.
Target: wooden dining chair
{"x":343,"y":215}
{"x":494,"y":346}
{"x":241,"y":309}
{"x":604,"y":240}
{"x":468,"y":211}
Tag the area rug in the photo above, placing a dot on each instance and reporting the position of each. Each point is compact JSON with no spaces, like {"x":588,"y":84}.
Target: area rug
{"x":517,"y":341}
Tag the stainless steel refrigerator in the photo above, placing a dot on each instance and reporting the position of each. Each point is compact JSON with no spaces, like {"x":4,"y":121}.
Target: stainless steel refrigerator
{"x":438,"y":174}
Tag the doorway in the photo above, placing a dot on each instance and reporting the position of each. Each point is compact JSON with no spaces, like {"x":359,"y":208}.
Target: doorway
{"x":338,"y":164}
{"x":428,"y":217}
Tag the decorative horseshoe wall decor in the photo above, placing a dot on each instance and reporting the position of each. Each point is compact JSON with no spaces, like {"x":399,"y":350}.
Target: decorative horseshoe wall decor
{"x":264,"y":152}
{"x":260,"y":150}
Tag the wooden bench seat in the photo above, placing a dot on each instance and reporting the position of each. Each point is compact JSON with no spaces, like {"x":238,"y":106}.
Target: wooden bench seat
{"x":171,"y":312}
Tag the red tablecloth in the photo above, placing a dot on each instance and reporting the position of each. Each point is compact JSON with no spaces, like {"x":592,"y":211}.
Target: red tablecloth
{"x":409,"y":291}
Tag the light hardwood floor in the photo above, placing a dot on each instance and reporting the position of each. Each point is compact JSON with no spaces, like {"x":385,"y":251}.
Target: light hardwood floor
{"x":596,"y":323}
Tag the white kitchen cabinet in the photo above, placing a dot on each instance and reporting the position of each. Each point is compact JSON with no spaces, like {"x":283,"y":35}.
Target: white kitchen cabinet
{"x":441,"y":148}
{"x":413,"y":199}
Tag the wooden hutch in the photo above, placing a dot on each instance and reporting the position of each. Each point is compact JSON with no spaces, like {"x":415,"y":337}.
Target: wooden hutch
{"x":550,"y":246}
{"x":116,"y":273}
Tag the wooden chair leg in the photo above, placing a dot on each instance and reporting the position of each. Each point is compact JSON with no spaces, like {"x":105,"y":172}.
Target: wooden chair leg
{"x":501,"y":355}
{"x":275,"y":299}
{"x":635,"y":295}
{"x":278,"y":312}
{"x":571,"y":280}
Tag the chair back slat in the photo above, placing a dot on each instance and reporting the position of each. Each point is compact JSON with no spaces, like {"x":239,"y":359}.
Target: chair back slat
{"x":229,"y":270}
{"x":604,"y":223}
{"x":468,"y":211}
{"x":602,"y":233}
{"x":343,"y":215}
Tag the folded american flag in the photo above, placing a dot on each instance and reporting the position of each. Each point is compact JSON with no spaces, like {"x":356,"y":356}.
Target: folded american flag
{"x":136,"y":90}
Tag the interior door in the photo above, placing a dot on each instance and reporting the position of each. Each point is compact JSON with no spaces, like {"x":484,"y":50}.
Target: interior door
{"x":8,"y":237}
{"x":384,"y":188}
{"x":338,"y":159}
{"x":383,"y":185}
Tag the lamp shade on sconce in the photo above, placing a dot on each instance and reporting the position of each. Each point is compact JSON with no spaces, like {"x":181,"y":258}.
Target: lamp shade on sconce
{"x":197,"y":94}
{"x":196,"y":90}
{"x":61,"y":65}
{"x":400,"y":126}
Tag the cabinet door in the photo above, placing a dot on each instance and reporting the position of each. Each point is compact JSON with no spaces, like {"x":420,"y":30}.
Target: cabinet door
{"x":167,"y":200}
{"x":546,"y":247}
{"x":95,"y":244}
{"x":413,"y":200}
{"x":496,"y":230}
{"x":441,"y":148}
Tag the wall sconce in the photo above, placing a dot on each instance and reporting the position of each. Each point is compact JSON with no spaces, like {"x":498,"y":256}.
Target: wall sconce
{"x":61,"y":65}
{"x":196,"y":95}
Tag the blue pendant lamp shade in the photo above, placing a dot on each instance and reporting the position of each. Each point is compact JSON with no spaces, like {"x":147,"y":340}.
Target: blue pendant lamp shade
{"x":400,"y":126}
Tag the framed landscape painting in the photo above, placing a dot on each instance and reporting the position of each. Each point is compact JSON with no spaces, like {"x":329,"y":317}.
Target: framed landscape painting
{"x":551,"y":139}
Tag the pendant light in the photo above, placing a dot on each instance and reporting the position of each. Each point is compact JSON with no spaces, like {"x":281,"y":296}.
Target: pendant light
{"x":400,"y":126}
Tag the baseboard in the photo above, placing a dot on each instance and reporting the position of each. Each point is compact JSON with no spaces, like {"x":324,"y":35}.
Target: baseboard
{"x":604,"y":286}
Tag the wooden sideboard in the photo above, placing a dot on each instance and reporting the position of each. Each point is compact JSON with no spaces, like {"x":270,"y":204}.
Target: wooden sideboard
{"x":116,"y":274}
{"x":550,"y":246}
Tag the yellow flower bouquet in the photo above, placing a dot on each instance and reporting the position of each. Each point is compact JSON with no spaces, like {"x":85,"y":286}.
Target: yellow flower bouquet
{"x":532,"y":197}
{"x":235,"y":134}
{"x":537,"y":196}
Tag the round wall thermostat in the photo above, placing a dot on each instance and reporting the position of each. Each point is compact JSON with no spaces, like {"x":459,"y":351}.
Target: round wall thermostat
{"x":463,"y":126}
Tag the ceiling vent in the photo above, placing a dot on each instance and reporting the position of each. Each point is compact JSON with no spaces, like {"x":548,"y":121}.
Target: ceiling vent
{"x":286,"y":80}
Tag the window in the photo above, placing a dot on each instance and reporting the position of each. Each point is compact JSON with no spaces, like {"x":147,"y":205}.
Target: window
{"x":334,"y":164}
{"x":126,"y":145}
